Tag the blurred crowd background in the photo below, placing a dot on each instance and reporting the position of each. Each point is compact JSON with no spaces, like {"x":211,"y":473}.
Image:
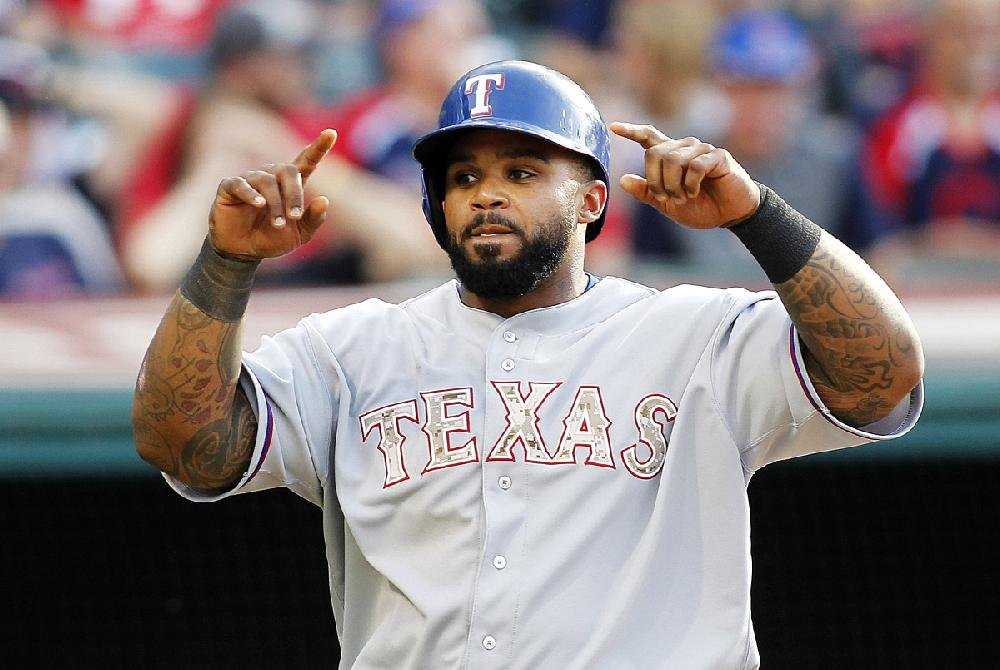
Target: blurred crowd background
{"x":878,"y":119}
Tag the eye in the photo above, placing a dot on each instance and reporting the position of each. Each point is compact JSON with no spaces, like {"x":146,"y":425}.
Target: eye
{"x":462,"y":177}
{"x":520,"y":174}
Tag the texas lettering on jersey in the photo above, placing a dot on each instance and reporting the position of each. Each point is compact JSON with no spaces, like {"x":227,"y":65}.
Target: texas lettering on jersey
{"x":585,"y":426}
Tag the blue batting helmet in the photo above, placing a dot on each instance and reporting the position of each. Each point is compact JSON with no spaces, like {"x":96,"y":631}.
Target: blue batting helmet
{"x":521,"y":97}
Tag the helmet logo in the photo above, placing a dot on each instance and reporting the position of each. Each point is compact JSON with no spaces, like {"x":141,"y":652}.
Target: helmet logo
{"x":481,"y":86}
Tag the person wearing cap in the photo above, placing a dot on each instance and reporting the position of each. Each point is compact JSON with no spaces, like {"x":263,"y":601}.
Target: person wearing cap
{"x":529,"y":466}
{"x":763,"y":66}
{"x":422,"y":46}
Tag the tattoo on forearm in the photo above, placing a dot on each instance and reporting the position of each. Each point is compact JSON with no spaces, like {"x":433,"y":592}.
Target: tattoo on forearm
{"x":216,"y":456}
{"x":850,"y":322}
{"x":188,"y":384}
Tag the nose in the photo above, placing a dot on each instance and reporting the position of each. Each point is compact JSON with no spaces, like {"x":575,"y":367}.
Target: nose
{"x":488,"y":196}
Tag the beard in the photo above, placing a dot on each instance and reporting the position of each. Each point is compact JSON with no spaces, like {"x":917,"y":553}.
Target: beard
{"x":494,"y":278}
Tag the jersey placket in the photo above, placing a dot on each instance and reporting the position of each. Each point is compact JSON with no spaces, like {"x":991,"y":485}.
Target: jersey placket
{"x":505,"y":505}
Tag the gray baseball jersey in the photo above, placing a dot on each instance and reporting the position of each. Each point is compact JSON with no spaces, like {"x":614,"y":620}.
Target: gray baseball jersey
{"x":565,"y":488}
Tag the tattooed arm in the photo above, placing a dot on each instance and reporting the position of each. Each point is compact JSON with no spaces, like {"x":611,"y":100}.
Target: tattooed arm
{"x":190,"y":417}
{"x":862,"y":351}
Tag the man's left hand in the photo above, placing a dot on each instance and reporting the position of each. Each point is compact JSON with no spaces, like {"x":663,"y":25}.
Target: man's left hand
{"x":694,"y":183}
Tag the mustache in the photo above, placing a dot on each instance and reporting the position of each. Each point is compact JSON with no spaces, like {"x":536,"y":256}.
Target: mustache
{"x":491,"y":219}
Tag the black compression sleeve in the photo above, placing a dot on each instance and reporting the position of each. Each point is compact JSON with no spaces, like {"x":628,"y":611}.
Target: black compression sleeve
{"x":780,"y":238}
{"x":219,"y":286}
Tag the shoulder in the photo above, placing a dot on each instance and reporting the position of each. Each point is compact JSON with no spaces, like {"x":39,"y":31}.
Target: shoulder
{"x":376,"y":317}
{"x":696,"y":310}
{"x":683,"y":296}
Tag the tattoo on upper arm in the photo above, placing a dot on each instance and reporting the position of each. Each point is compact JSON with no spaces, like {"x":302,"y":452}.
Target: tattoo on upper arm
{"x":190,"y":377}
{"x":855,"y":345}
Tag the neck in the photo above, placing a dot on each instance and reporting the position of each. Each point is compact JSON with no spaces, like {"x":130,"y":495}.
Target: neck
{"x":559,"y":288}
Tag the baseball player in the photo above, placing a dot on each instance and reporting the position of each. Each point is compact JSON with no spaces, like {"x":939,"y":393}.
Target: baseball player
{"x":529,"y":466}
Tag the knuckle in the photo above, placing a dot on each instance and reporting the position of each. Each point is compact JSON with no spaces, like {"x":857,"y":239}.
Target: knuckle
{"x":696,"y":168}
{"x":287,"y":170}
{"x":660,"y":151}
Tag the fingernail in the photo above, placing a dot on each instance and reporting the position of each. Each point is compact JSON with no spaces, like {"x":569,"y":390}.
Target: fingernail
{"x":295,"y":212}
{"x":279,"y":221}
{"x":259,"y":200}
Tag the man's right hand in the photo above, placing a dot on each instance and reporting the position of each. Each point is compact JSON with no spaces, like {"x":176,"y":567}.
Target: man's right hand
{"x":262,"y":213}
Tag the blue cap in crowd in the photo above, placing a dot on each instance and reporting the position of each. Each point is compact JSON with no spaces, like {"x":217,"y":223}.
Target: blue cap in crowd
{"x":762,"y":45}
{"x":396,"y":14}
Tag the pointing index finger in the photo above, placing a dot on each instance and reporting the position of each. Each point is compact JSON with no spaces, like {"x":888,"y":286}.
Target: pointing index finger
{"x":310,"y":157}
{"x":647,"y":136}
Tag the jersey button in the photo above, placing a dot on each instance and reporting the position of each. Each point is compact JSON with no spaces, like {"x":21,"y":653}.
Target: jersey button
{"x":507,"y":364}
{"x":509,"y":336}
{"x":504,"y":482}
{"x":489,"y":643}
{"x":499,"y":562}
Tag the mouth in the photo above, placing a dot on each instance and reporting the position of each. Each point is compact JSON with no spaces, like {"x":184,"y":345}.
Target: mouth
{"x":489,"y":230}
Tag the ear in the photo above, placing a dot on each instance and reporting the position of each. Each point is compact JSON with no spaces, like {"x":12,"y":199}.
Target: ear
{"x":594,"y":196}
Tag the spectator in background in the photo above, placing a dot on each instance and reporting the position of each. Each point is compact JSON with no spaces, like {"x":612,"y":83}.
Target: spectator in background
{"x":660,"y":59}
{"x":870,"y":50}
{"x":764,"y":65}
{"x":258,"y":103}
{"x":53,"y":242}
{"x":575,"y":38}
{"x":121,"y":106}
{"x":932,"y":163}
{"x":423,"y":47}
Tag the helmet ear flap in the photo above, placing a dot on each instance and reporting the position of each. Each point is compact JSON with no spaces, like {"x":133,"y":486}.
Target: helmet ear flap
{"x":433,"y":195}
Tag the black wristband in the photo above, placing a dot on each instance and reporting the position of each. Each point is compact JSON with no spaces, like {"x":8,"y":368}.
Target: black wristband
{"x":219,"y":286}
{"x":780,"y":238}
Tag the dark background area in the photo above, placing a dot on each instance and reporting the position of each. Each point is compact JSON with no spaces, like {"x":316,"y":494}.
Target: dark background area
{"x":857,"y":564}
